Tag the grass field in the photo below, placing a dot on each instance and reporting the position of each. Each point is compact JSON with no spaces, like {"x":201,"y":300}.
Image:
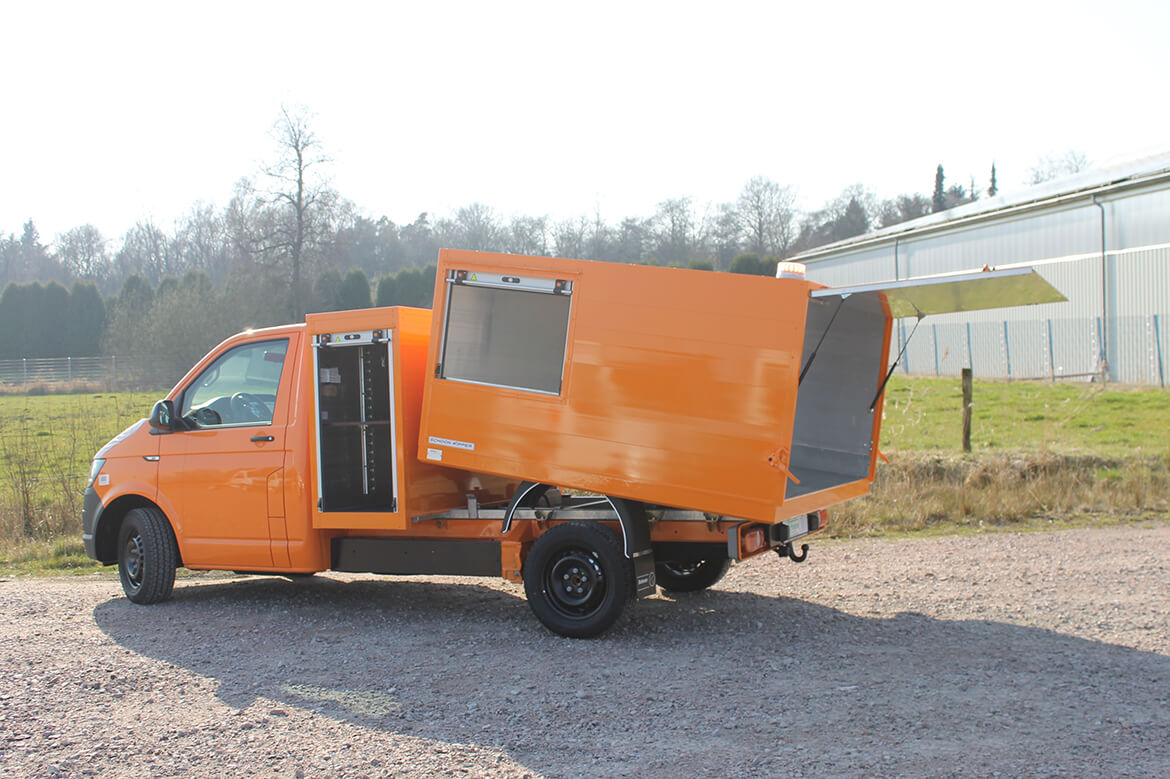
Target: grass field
{"x":46,"y":445}
{"x":925,"y":415}
{"x":1042,"y":454}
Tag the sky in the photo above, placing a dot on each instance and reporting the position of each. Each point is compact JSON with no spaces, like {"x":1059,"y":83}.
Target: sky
{"x":120,"y":112}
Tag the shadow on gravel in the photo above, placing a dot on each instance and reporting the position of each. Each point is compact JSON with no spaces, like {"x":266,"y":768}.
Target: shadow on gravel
{"x":719,"y":683}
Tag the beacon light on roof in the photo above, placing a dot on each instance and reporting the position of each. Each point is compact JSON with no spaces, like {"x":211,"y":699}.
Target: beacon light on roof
{"x":790,"y":270}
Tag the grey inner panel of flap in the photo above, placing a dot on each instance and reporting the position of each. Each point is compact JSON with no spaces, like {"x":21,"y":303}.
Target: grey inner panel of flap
{"x":831,"y":442}
{"x":973,"y":291}
{"x":505,"y":337}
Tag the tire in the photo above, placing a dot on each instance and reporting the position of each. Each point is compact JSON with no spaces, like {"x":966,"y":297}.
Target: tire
{"x":674,"y":576}
{"x":577,"y":579}
{"x":147,"y":556}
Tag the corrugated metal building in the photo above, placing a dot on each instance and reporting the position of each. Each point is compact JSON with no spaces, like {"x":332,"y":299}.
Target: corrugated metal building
{"x":1102,"y":237}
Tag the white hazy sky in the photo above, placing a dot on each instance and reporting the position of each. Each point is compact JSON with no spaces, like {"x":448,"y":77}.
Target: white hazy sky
{"x":115,"y":112}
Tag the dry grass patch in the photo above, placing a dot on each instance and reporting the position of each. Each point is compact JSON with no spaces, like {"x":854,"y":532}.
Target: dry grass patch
{"x":920,"y":491}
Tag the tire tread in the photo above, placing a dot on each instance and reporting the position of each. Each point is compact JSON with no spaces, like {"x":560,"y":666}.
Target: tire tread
{"x":159,"y":551}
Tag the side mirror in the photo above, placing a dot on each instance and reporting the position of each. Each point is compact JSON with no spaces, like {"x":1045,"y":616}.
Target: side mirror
{"x":162,"y":417}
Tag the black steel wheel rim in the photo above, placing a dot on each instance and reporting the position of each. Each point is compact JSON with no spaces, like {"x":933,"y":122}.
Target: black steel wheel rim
{"x":682,"y":569}
{"x":575,"y":583}
{"x":132,"y":560}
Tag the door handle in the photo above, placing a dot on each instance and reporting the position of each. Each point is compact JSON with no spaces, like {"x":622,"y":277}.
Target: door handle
{"x":259,"y":438}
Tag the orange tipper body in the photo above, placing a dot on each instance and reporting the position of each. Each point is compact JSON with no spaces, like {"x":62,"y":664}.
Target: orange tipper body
{"x":666,"y":386}
{"x":593,"y":430}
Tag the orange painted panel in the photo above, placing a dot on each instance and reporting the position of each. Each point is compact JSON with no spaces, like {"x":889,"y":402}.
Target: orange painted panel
{"x":422,"y":487}
{"x":678,"y":387}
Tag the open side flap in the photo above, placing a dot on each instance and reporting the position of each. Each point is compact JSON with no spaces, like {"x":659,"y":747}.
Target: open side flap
{"x":972,"y":291}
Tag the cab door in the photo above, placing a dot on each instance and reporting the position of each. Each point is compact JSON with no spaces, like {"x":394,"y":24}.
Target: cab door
{"x":223,"y":471}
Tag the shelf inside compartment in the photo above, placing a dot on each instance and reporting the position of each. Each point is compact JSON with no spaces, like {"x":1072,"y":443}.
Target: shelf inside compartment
{"x":354,"y":430}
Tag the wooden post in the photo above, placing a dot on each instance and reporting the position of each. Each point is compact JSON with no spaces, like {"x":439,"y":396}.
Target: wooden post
{"x":967,"y":409}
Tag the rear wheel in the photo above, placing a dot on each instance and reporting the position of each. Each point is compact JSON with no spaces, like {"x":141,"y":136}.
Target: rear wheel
{"x":147,"y":556}
{"x":690,"y":576}
{"x":577,"y":579}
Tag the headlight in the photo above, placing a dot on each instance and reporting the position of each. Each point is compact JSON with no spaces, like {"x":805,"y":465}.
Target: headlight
{"x":98,"y":462}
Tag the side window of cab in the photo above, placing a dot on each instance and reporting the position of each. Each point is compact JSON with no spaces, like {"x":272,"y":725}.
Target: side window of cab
{"x":239,"y":389}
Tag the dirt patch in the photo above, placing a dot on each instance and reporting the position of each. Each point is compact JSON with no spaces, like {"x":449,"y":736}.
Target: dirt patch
{"x":1012,"y":654}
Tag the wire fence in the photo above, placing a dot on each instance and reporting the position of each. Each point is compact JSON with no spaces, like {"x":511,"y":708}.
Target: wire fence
{"x":1131,"y":350}
{"x":109,"y":372}
{"x":1043,"y":349}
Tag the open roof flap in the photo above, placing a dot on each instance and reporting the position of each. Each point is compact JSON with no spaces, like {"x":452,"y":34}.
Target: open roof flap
{"x":957,"y":292}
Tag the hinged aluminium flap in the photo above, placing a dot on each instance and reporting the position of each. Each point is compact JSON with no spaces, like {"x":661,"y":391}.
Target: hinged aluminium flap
{"x":957,"y":292}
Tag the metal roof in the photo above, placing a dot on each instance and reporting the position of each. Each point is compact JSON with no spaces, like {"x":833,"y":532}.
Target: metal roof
{"x":1117,"y":174}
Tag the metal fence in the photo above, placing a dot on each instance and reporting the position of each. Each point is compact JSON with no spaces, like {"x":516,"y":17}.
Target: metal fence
{"x":1008,"y":349}
{"x":107,"y":372}
{"x":1040,"y":349}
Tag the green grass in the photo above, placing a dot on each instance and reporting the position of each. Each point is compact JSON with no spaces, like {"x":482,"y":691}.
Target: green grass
{"x":926,"y":415}
{"x":1044,"y":455}
{"x":46,"y":445}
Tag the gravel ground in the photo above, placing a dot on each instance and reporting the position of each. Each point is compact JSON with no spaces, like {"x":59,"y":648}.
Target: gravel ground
{"x":1041,"y":654}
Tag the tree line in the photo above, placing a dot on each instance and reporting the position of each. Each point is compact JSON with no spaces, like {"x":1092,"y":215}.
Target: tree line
{"x":287,"y":243}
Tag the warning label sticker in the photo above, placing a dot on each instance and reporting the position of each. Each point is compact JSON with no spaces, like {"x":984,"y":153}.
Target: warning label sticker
{"x":451,"y":442}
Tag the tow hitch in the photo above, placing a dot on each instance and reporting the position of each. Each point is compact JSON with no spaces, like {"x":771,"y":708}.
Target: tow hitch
{"x":789,"y":550}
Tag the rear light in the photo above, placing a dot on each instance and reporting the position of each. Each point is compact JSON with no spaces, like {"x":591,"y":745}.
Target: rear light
{"x":754,"y":540}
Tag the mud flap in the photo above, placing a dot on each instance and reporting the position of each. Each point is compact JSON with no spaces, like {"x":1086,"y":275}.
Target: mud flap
{"x":636,"y":539}
{"x":645,"y":583}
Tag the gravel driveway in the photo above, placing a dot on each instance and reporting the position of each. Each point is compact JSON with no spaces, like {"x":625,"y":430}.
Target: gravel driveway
{"x":1040,"y":654}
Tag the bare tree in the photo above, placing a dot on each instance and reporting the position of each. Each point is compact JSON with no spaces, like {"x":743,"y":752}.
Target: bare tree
{"x":570,"y":237}
{"x":302,"y":197}
{"x":766,"y":214}
{"x":527,"y":235}
{"x":477,"y":228}
{"x":82,"y":251}
{"x":632,"y":239}
{"x":1052,"y":166}
{"x":202,"y":242}
{"x":146,"y":250}
{"x":678,"y":235}
{"x":726,"y":234}
{"x":902,"y":209}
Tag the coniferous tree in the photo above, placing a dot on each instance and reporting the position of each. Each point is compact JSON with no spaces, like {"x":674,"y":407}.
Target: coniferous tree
{"x":326,"y":292}
{"x":993,"y":190}
{"x":939,"y":200}
{"x":354,"y":291}
{"x":749,"y":264}
{"x":386,"y":292}
{"x":86,"y":319}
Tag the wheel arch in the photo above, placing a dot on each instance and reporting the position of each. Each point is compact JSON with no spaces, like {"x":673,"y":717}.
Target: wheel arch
{"x":631,"y":515}
{"x":110,"y":522}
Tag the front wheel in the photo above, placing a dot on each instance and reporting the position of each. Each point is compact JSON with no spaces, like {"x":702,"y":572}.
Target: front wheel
{"x":690,"y":576}
{"x":147,"y":556}
{"x":577,"y":580}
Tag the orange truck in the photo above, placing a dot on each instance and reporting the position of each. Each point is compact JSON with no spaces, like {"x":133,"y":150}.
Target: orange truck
{"x":593,"y":430}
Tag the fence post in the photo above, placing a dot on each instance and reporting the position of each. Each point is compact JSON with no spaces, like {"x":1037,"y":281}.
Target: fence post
{"x":934,"y":335}
{"x":1158,"y":346}
{"x":24,"y":366}
{"x":69,"y":367}
{"x":1007,"y":350}
{"x":1051,"y":355}
{"x":1101,"y":351}
{"x":967,"y":392}
{"x":970,"y":354}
